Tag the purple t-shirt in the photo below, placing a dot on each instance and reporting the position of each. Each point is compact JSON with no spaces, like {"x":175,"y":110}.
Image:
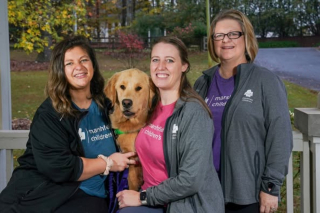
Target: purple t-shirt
{"x":218,"y":94}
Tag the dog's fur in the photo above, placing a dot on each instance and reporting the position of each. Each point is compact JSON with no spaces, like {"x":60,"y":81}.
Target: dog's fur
{"x":131,"y":92}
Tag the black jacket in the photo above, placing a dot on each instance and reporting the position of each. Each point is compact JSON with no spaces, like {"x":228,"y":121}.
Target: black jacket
{"x":49,"y":168}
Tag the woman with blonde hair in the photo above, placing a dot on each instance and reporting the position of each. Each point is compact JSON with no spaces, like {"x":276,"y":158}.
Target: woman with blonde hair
{"x":252,"y":139}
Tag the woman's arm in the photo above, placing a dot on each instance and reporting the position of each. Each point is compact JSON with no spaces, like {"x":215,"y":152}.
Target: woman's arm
{"x":195,"y":158}
{"x":278,"y":141}
{"x":195,"y":153}
{"x":96,"y":166}
{"x":50,"y":141}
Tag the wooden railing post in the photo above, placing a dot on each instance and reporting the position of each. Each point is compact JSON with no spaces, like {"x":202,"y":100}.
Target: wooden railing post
{"x":5,"y":85}
{"x":315,"y":149}
{"x":305,"y":176}
{"x":297,"y":147}
{"x":307,"y":121}
{"x":10,"y":140}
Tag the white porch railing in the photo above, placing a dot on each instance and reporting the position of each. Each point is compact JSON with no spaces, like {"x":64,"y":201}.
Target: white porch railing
{"x":10,"y":140}
{"x":302,"y":146}
{"x":16,"y":139}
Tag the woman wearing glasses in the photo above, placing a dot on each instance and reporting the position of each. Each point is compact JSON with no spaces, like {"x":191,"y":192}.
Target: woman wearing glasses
{"x":252,"y":140}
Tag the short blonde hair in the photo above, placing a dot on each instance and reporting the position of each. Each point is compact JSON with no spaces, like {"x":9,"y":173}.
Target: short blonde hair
{"x":251,"y":43}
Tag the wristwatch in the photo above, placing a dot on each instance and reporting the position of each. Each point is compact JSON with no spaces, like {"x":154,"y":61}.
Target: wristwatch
{"x":143,"y":197}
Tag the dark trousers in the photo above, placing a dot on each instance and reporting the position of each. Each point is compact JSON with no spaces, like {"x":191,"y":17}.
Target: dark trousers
{"x":81,"y":202}
{"x":142,"y":209}
{"x":234,"y":208}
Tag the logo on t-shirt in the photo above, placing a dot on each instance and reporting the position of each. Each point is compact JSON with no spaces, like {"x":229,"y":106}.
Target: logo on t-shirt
{"x":82,"y":135}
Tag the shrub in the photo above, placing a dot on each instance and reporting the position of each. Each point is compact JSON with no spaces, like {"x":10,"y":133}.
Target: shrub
{"x":275,"y":44}
{"x":291,"y":113}
{"x":130,"y":49}
{"x":200,"y":29}
{"x":183,"y":33}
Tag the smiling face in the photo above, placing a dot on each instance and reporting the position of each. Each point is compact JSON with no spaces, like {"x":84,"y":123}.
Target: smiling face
{"x":78,"y":69}
{"x":166,"y":67}
{"x":230,"y":49}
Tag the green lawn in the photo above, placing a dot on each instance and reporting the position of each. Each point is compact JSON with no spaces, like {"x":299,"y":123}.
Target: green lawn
{"x":27,"y":88}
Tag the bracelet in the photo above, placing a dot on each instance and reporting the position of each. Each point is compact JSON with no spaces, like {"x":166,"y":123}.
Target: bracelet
{"x":109,"y":163}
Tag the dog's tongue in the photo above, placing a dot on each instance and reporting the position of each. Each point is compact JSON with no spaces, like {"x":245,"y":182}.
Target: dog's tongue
{"x":128,"y":113}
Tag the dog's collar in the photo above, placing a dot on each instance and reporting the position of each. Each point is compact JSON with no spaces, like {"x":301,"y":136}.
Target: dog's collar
{"x":119,"y":132}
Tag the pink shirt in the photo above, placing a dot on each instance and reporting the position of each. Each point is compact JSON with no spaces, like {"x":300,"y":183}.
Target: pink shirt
{"x":149,"y":146}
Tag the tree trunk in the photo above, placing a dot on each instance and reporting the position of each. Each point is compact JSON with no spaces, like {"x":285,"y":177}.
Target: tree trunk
{"x":124,"y":13}
{"x":98,"y":20}
{"x":133,"y":10}
{"x":46,"y":54}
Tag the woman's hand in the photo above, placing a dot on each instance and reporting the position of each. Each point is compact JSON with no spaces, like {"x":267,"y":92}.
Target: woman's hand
{"x":268,"y":203}
{"x":96,"y":166}
{"x":121,"y":161}
{"x":128,"y":198}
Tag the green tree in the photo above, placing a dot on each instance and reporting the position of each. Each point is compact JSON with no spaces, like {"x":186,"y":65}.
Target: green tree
{"x":261,"y":16}
{"x":101,"y":14}
{"x":313,"y":16}
{"x":46,"y":21}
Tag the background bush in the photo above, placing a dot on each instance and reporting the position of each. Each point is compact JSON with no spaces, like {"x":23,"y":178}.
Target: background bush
{"x":200,"y":29}
{"x":277,"y":44}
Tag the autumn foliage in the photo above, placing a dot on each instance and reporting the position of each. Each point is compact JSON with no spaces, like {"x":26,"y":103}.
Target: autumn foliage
{"x":130,"y":49}
{"x":43,"y":21}
{"x":183,"y":32}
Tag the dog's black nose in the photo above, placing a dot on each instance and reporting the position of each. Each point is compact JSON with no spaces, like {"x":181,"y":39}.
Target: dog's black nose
{"x":126,"y":103}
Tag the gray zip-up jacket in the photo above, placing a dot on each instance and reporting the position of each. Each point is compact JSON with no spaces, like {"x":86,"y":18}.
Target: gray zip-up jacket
{"x":193,"y":184}
{"x":256,"y":135}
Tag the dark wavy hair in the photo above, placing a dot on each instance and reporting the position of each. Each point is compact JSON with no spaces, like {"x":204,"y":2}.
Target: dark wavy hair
{"x":186,"y":92}
{"x":57,"y":87}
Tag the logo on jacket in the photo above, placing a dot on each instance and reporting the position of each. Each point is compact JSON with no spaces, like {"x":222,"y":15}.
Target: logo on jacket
{"x":175,"y":129}
{"x":248,"y":95}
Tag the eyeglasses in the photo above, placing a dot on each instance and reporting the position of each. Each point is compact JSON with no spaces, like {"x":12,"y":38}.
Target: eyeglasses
{"x":231,"y":35}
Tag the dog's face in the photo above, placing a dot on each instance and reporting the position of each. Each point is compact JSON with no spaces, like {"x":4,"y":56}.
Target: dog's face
{"x":131,"y":92}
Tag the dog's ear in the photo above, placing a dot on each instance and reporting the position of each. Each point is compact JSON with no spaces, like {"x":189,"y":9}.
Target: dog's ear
{"x":110,"y":89}
{"x":152,"y":92}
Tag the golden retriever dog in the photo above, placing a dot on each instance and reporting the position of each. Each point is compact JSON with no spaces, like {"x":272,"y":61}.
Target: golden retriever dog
{"x":131,"y":92}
